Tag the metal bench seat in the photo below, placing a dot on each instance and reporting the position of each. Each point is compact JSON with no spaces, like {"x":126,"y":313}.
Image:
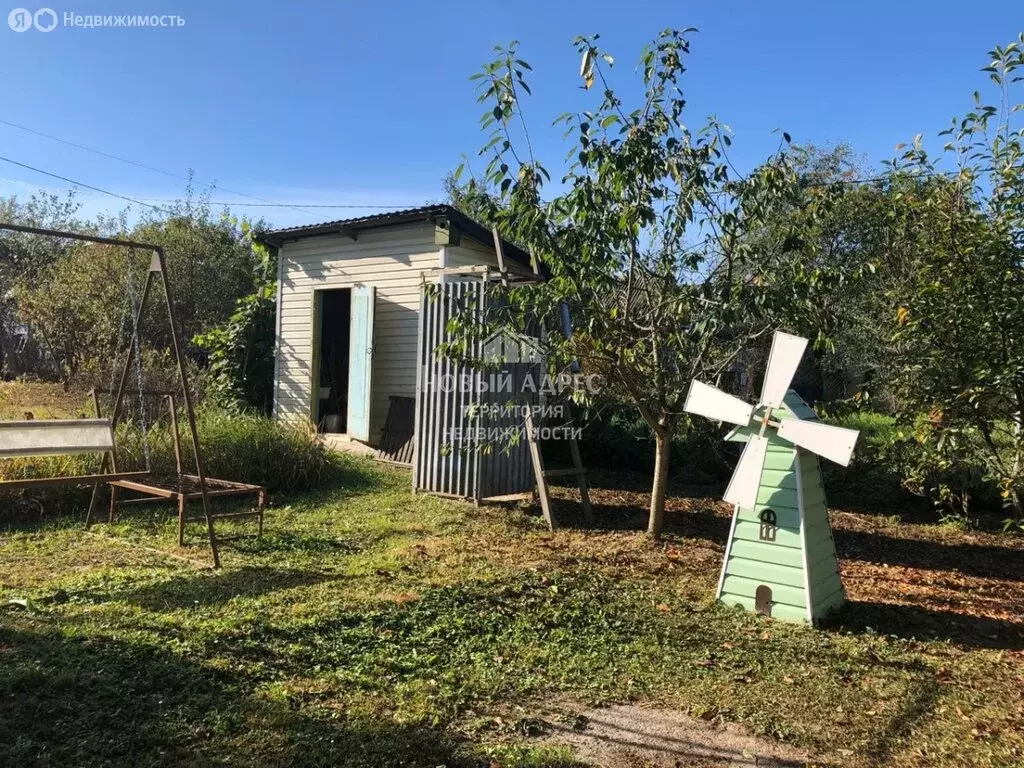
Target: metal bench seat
{"x":58,"y":437}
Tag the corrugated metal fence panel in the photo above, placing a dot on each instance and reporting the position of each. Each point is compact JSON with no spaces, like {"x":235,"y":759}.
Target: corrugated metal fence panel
{"x":506,"y":466}
{"x":456,"y":453}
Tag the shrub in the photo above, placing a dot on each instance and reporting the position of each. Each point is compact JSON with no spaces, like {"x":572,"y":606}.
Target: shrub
{"x":875,"y":479}
{"x":893,"y":468}
{"x":247,"y":448}
{"x":618,"y":438}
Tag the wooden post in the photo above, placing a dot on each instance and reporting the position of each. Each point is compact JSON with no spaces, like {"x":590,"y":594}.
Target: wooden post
{"x":113,"y":504}
{"x":176,"y":438}
{"x":103,"y":462}
{"x":538,"y":472}
{"x":182,"y":501}
{"x":501,"y":256}
{"x":159,"y":265}
{"x":581,"y":476}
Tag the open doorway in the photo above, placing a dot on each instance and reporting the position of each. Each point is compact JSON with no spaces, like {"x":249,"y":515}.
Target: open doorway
{"x":334,"y":357}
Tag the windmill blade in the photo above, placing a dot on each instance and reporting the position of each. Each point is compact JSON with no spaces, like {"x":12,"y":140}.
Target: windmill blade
{"x":746,"y":480}
{"x":833,"y":443}
{"x":787,"y":350}
{"x":705,"y":400}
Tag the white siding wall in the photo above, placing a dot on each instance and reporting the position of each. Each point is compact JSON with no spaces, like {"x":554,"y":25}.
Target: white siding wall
{"x":393,"y":260}
{"x":470,"y":252}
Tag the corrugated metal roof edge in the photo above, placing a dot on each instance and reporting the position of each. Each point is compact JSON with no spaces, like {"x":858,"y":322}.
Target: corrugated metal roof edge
{"x":472,"y":227}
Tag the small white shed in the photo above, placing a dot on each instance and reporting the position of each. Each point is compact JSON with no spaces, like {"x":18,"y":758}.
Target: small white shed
{"x":348,"y":310}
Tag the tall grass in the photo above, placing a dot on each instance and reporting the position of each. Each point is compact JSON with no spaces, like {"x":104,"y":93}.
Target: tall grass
{"x":248,"y":448}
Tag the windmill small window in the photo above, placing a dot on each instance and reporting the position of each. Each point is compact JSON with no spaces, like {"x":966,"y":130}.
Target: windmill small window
{"x":768,"y":525}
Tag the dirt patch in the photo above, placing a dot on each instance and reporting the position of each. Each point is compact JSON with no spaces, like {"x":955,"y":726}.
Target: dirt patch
{"x":630,"y":736}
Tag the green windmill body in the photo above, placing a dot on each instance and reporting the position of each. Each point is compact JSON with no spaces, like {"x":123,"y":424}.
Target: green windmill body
{"x":780,"y":559}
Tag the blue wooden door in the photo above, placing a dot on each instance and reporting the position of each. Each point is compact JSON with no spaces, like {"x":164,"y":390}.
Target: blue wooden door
{"x":360,"y":361}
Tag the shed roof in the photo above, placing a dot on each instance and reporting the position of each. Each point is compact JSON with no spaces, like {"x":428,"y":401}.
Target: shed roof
{"x":431,"y":213}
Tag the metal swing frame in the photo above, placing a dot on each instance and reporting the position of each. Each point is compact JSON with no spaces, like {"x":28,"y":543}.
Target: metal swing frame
{"x":108,"y":472}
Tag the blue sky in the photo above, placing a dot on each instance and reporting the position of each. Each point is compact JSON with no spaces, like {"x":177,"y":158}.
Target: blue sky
{"x":369,"y":103}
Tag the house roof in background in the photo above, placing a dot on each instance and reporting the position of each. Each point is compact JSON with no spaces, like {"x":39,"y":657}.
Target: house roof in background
{"x":469,"y":226}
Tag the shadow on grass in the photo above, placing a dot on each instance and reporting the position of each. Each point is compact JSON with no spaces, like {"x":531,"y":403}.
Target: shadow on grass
{"x":982,"y":560}
{"x":99,"y":701}
{"x":31,"y":509}
{"x":978,"y":560}
{"x":204,"y":588}
{"x":694,"y":523}
{"x":277,"y":542}
{"x":918,"y":623}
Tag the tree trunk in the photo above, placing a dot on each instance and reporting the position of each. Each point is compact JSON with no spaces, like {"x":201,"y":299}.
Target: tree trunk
{"x":1017,"y":492}
{"x":661,"y":456}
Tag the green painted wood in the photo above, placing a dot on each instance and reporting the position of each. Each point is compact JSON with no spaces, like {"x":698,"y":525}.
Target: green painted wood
{"x":772,"y":574}
{"x":775,"y":497}
{"x":825,"y":564}
{"x":816,"y":522}
{"x":818,"y":540}
{"x":779,"y":478}
{"x":823,"y":572}
{"x":746,"y":587}
{"x":814,"y":494}
{"x":785,"y":477}
{"x":802,"y":556}
{"x":829,"y":603}
{"x":748,"y":530}
{"x":778,"y":459}
{"x":767,"y":552}
{"x":785,"y":517}
{"x":824,"y":587}
{"x":780,"y":611}
{"x":794,"y":406}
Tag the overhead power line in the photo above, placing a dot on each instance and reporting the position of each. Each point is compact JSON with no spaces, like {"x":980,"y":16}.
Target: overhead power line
{"x":149,"y":202}
{"x":126,"y":161}
{"x":83,"y":185}
{"x":303,"y":205}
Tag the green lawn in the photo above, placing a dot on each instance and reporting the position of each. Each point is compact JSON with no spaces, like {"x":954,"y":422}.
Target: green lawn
{"x":370,"y":627}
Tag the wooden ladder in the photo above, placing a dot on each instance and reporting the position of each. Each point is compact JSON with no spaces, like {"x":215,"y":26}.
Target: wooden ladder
{"x":542,"y":475}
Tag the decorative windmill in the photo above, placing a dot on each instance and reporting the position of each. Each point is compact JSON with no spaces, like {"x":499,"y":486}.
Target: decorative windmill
{"x":780,"y":559}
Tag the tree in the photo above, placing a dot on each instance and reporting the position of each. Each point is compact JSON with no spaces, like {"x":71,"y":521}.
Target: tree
{"x":210,"y":261}
{"x":958,"y":333}
{"x":853,"y":235}
{"x":241,"y":372}
{"x":22,"y":258}
{"x":74,"y":296}
{"x":650,"y":238}
{"x":76,"y":306}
